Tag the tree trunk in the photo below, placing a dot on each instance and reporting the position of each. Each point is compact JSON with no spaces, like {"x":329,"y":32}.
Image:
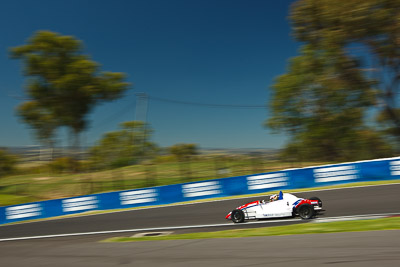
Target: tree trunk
{"x":76,"y":153}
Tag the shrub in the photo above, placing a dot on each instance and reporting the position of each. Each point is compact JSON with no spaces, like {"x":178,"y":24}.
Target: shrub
{"x":64,"y":164}
{"x":7,"y":162}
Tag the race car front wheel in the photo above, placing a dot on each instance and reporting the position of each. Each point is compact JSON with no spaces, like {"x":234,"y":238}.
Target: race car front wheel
{"x":305,"y":211}
{"x":237,"y":216}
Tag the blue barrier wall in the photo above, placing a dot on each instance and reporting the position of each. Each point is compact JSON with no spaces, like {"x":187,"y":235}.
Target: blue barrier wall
{"x":374,"y":170}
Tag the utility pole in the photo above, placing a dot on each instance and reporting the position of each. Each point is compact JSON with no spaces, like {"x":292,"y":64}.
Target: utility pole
{"x":142,"y":107}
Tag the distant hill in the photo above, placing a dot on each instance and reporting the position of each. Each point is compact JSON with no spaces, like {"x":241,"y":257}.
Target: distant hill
{"x":35,"y":153}
{"x":241,"y":151}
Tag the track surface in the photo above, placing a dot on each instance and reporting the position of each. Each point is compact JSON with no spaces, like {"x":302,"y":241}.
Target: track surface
{"x":366,"y":249}
{"x":350,"y":201}
{"x":340,"y":249}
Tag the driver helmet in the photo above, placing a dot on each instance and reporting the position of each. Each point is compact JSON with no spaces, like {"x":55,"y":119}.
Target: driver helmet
{"x":273,"y":198}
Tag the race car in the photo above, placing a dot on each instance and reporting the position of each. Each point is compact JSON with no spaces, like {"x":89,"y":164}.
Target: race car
{"x":279,"y":205}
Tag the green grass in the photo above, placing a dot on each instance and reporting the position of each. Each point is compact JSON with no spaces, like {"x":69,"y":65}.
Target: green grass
{"x":14,"y":199}
{"x":392,"y":223}
{"x":44,"y":185}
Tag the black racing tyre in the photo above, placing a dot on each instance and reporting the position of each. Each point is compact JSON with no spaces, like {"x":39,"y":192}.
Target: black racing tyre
{"x":306,"y":211}
{"x":319,"y":201}
{"x":237,"y":216}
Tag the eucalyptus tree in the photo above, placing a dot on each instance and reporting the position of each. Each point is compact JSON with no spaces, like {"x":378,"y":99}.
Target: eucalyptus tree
{"x":125,"y":146}
{"x":64,"y":85}
{"x":349,"y":64}
{"x":367,"y":30}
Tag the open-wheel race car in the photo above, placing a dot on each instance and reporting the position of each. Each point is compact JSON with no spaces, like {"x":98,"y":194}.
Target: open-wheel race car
{"x":280,"y":205}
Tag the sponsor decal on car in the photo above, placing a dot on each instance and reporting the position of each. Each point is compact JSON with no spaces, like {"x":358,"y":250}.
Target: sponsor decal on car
{"x":333,"y":174}
{"x":264,"y":181}
{"x":201,"y":189}
{"x":249,"y":205}
{"x":297,"y":202}
{"x":23,"y":211}
{"x":272,"y":214}
{"x":138,"y":196}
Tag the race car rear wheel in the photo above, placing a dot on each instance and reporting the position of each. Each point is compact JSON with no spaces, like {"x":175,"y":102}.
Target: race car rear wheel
{"x":319,"y":201}
{"x":237,"y":216}
{"x":305,"y":211}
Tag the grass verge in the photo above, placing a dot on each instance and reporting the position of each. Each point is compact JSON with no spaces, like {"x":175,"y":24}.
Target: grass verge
{"x":294,"y":191}
{"x":40,"y":183}
{"x":392,"y":223}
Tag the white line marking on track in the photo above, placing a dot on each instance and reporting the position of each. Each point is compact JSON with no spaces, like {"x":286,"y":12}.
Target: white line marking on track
{"x":354,"y":217}
{"x":147,"y":229}
{"x":328,"y":219}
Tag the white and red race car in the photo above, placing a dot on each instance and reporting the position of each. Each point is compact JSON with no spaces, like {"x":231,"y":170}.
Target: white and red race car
{"x":280,"y":205}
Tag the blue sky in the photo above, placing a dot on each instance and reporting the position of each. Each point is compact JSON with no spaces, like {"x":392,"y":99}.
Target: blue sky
{"x":208,"y":51}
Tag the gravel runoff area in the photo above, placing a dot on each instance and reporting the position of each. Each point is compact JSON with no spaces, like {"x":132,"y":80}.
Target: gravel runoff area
{"x":375,"y":248}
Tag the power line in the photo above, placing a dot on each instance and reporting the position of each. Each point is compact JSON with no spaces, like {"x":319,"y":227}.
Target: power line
{"x":114,"y":116}
{"x":204,"y":104}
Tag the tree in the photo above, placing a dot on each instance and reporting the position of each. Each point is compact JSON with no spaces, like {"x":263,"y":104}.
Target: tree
{"x":321,"y":102}
{"x":123,"y":147}
{"x":364,"y":29}
{"x":41,"y":121}
{"x":184,"y":152}
{"x":64,"y":84}
{"x":7,"y":162}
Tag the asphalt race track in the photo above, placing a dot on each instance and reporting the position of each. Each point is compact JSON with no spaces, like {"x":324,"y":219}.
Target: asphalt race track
{"x":364,"y":249}
{"x":341,"y":249}
{"x":342,"y":202}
